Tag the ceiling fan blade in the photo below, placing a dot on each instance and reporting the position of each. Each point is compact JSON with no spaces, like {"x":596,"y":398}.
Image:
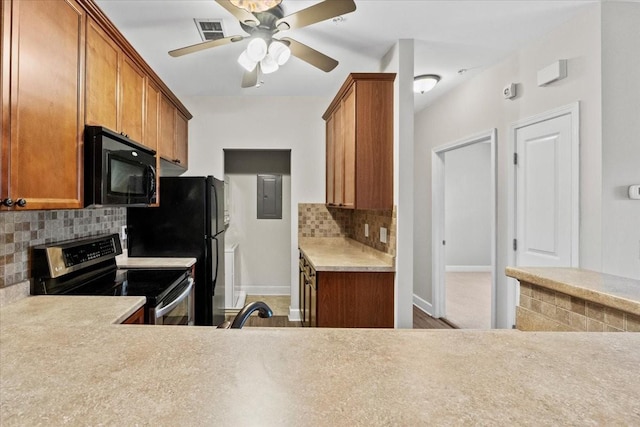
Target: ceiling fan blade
{"x":241,"y":15}
{"x":310,"y":56}
{"x":205,"y":45}
{"x":250,"y":78}
{"x":318,"y":12}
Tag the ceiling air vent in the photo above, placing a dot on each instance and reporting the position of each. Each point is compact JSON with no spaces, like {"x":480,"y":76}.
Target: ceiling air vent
{"x":210,"y":29}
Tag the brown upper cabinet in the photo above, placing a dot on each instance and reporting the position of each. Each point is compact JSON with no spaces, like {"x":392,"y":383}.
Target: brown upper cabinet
{"x":65,"y":65}
{"x":115,"y":86}
{"x":173,"y":135}
{"x":42,"y":132}
{"x":359,"y":126}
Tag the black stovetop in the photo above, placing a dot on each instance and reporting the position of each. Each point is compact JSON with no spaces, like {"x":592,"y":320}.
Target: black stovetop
{"x":154,"y":284}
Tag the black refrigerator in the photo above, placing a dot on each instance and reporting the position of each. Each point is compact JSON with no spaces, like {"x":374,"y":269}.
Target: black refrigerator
{"x":188,"y":223}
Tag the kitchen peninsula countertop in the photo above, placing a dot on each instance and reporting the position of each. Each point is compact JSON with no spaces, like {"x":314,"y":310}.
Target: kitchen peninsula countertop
{"x":56,"y":373}
{"x":125,"y":261}
{"x":612,"y":291}
{"x":342,"y":254}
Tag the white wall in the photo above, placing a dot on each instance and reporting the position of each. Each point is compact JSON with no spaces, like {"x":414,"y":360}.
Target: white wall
{"x":264,"y":245}
{"x":620,"y":138}
{"x":399,"y":60}
{"x":467,"y":218}
{"x":257,"y":122}
{"x":478,"y":105}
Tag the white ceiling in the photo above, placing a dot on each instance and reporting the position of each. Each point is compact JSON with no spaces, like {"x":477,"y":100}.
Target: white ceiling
{"x":449,"y":36}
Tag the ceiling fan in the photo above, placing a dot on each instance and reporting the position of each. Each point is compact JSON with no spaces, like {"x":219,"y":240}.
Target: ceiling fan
{"x":262,"y":20}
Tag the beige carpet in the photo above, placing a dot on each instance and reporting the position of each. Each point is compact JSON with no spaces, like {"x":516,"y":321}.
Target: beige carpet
{"x":469,"y":300}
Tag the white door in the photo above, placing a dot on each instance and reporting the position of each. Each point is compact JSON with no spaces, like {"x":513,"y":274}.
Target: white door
{"x":546,"y":203}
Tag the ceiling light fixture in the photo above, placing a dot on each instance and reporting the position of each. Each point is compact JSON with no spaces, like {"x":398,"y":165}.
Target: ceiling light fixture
{"x":270,"y":56}
{"x":255,"y":5}
{"x":425,"y":82}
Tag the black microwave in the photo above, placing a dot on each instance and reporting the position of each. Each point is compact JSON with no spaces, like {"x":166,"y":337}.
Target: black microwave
{"x":117,"y":170}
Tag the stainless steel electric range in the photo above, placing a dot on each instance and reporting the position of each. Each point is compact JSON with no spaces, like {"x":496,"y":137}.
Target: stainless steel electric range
{"x":88,"y":267}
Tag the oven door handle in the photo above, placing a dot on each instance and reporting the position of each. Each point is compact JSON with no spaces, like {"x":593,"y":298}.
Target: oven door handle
{"x":167,"y":308}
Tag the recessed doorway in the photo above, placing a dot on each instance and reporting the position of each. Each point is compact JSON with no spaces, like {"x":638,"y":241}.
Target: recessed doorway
{"x":464,"y":231}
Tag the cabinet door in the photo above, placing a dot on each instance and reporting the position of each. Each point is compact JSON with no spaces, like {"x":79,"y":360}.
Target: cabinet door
{"x":181,"y":150}
{"x":47,"y":108}
{"x":102,"y":78}
{"x":349,"y":143}
{"x":152,"y":117}
{"x":302,"y":290}
{"x":5,"y":52}
{"x":330,"y":159}
{"x":313,"y":303}
{"x":338,"y":155}
{"x":167,"y":137}
{"x":132,"y":99}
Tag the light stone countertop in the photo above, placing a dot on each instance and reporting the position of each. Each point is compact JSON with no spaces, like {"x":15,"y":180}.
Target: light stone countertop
{"x":78,"y":310}
{"x":128,"y":375}
{"x":342,"y":254}
{"x":612,"y":291}
{"x":125,"y":261}
{"x":54,"y":374}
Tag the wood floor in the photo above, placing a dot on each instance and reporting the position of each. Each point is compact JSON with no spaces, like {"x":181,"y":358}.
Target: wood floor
{"x":280,"y":319}
{"x":422,"y":320}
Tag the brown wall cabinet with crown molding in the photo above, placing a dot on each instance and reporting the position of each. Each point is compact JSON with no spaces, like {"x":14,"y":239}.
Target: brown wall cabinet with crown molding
{"x":42,"y":133}
{"x":359,"y":126}
{"x":60,"y":59}
{"x":173,"y":134}
{"x":115,"y":87}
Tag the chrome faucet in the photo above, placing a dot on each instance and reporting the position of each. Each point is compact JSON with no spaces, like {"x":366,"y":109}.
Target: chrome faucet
{"x":264,"y":311}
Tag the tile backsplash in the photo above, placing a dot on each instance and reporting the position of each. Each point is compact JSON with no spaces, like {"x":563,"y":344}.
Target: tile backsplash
{"x":19,"y":231}
{"x":316,"y":220}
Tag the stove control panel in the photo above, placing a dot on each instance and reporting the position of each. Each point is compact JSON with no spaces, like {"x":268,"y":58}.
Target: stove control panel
{"x":57,"y":259}
{"x":88,"y":252}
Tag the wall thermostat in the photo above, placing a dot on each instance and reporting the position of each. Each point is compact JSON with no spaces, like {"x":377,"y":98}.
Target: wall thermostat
{"x":634,"y":192}
{"x":509,"y":91}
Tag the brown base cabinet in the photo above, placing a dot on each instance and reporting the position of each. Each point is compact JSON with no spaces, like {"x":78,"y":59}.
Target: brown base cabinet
{"x":136,"y":318}
{"x":344,"y":299}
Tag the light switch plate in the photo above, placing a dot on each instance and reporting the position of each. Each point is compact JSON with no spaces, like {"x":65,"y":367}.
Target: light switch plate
{"x":383,"y":235}
{"x":366,"y":230}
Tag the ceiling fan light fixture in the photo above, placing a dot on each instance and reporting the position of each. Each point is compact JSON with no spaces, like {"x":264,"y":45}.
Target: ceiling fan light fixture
{"x":269,"y":65}
{"x":280,"y":52}
{"x":425,"y":82}
{"x":246,"y":62}
{"x":255,"y":5}
{"x":257,"y":49}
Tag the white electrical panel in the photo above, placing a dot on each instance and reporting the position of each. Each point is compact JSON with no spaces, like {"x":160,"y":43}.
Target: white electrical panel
{"x":634,"y":192}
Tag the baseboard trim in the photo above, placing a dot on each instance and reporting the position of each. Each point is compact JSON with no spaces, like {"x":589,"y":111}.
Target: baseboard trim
{"x":294,"y":315}
{"x":267,"y":290}
{"x":468,"y":268}
{"x":423,"y":305}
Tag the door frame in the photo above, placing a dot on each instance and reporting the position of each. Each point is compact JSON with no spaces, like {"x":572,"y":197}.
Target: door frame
{"x":573,"y":110}
{"x":438,"y":214}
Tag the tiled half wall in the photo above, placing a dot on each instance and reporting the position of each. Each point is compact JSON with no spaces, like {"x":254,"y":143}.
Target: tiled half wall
{"x":316,"y":220}
{"x":20,"y":231}
{"x":542,"y":309}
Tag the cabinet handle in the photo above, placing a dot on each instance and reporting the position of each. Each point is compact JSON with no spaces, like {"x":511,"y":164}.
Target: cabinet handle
{"x":8,"y":202}
{"x":21,"y":203}
{"x":177,"y":161}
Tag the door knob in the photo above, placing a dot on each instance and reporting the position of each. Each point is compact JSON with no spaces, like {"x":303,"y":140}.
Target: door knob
{"x":21,"y":203}
{"x":8,"y":202}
